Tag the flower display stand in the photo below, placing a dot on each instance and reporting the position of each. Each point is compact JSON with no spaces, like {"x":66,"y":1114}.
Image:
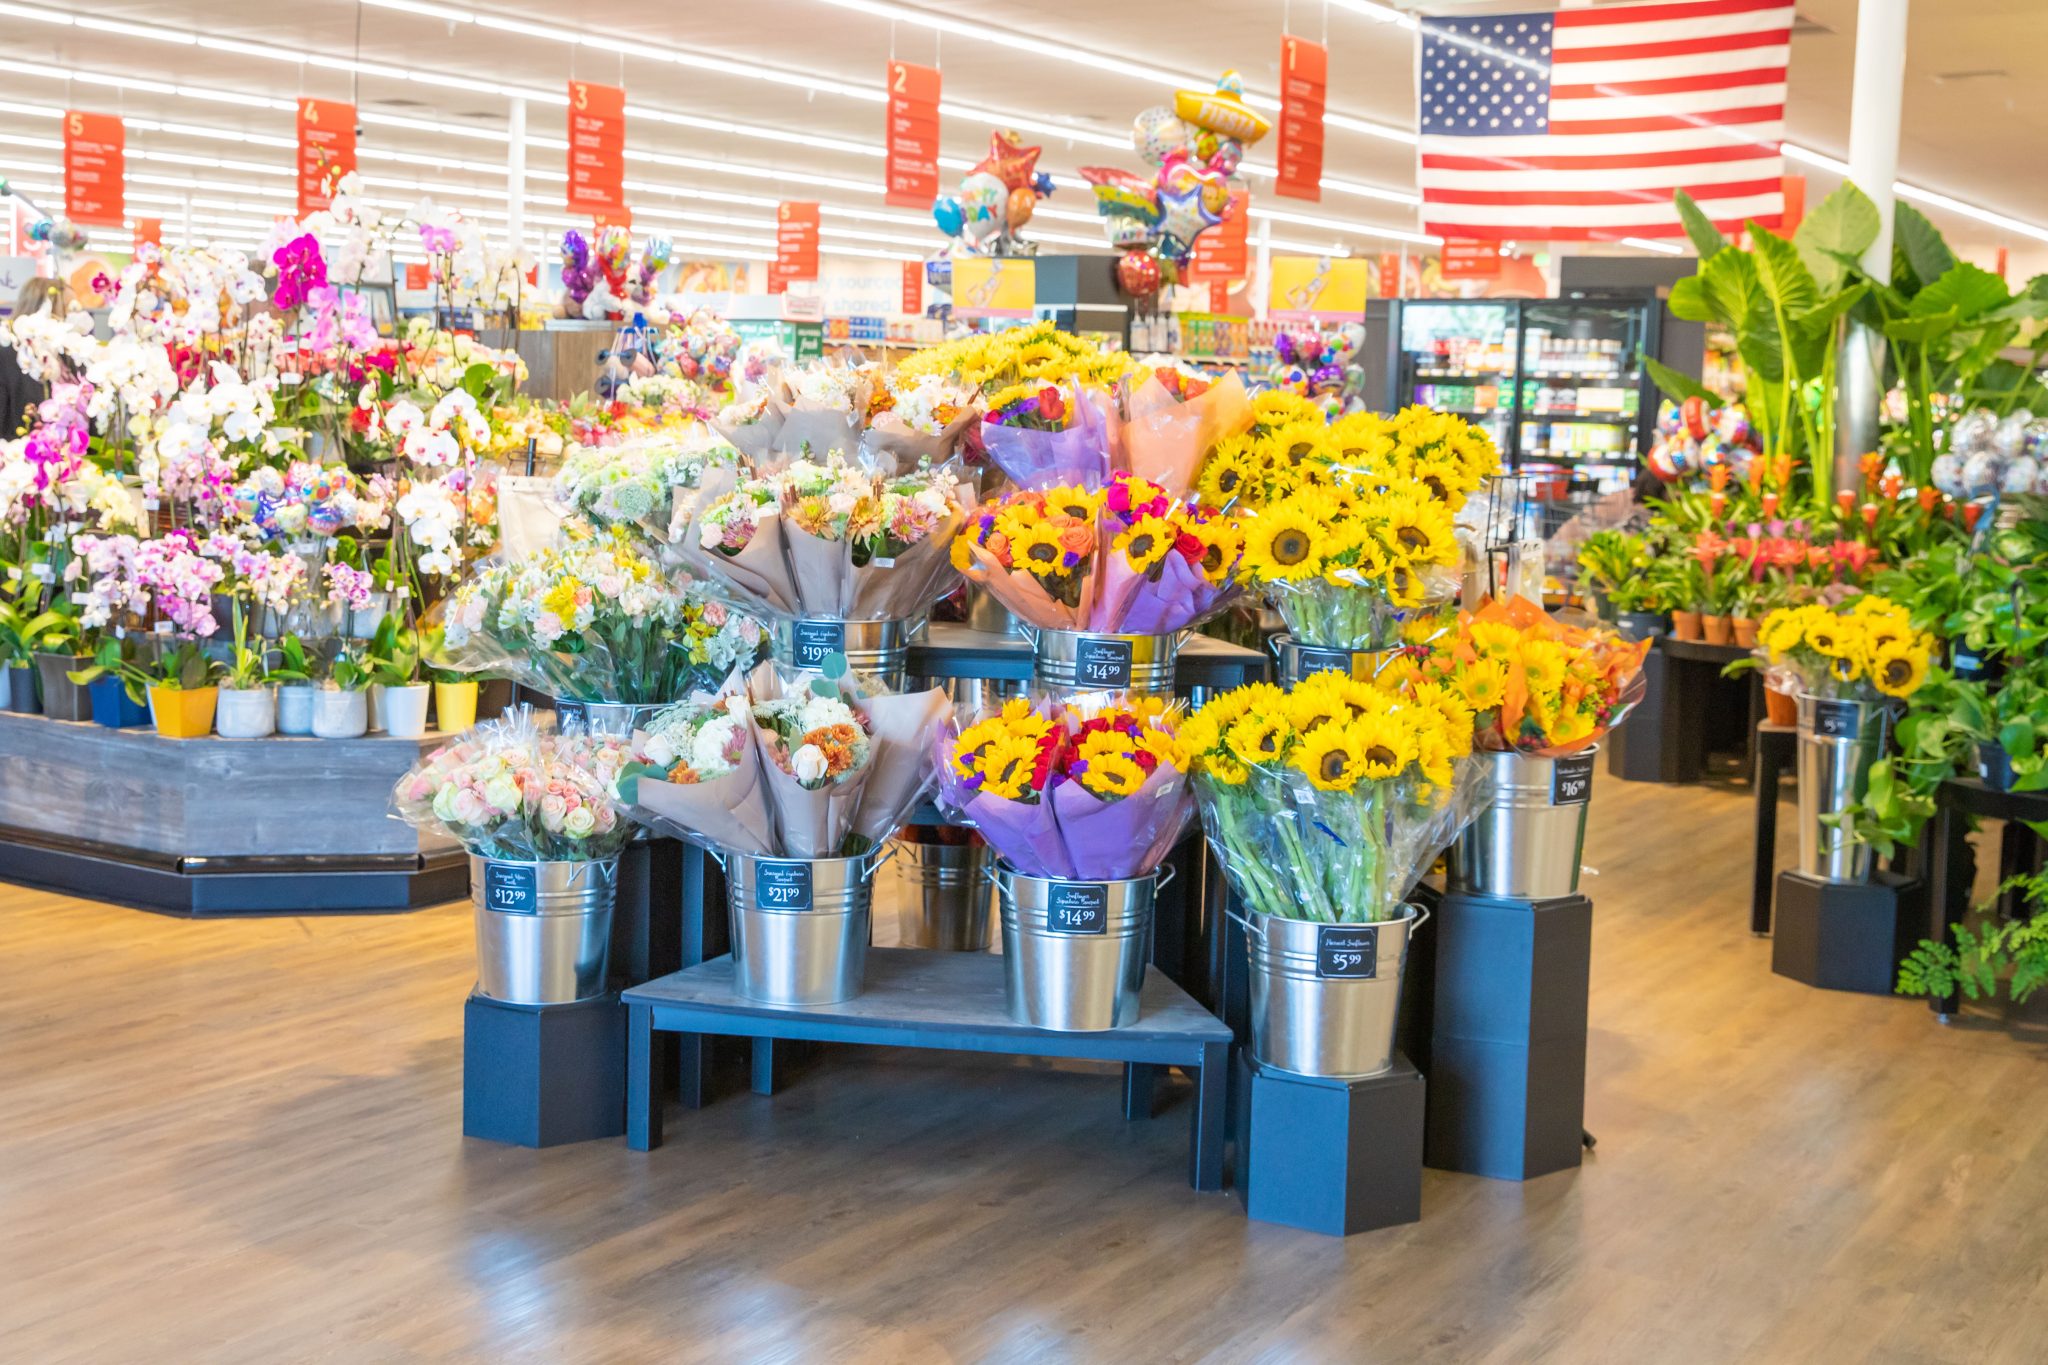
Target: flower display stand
{"x":1330,"y":1156}
{"x":543,"y":1075}
{"x":1506,"y":1024}
{"x":1688,"y":709}
{"x":1847,"y":936}
{"x":1951,"y":864}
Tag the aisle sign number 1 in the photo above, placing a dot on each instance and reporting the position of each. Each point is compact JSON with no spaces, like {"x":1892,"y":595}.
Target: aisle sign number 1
{"x":1304,"y":77}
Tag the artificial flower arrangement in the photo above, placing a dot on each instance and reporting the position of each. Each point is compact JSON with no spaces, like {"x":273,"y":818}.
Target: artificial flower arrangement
{"x":1327,"y":803}
{"x":1864,"y":649}
{"x":510,"y":790}
{"x":1125,"y":559}
{"x":804,"y":765}
{"x":1093,"y":790}
{"x":1532,"y":683}
{"x":593,"y":618}
{"x":1346,"y":567}
{"x":827,"y":540}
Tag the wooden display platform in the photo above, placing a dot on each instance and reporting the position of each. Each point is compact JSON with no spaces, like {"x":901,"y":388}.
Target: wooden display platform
{"x":951,"y":1001}
{"x":949,"y":649}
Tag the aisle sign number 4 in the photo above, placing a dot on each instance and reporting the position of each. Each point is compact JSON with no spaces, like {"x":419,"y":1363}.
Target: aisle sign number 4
{"x":782,"y":886}
{"x":1077,"y":908}
{"x":1348,"y":951}
{"x":510,"y":887}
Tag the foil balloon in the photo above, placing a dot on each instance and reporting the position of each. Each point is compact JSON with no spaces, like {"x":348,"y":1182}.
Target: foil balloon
{"x":1157,"y":133}
{"x":1222,"y":111}
{"x":948,"y":214}
{"x":1009,"y":160}
{"x":614,"y":249}
{"x":1119,"y":194}
{"x":984,"y":207}
{"x":654,"y":259}
{"x":1023,"y":203}
{"x":577,"y":277}
{"x":1191,"y":201}
{"x":1138,"y":273}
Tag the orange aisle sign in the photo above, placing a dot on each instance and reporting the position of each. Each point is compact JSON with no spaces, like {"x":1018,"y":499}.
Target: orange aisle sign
{"x":1471,"y":260}
{"x":1219,"y":296}
{"x":416,"y":276}
{"x":95,"y":166}
{"x":1390,"y":275}
{"x":327,"y":150}
{"x":796,"y":245}
{"x":1223,"y":252}
{"x":1795,"y":204}
{"x":913,"y":136}
{"x":149,"y":230}
{"x":597,"y":148}
{"x":913,"y":288}
{"x":1304,"y":76}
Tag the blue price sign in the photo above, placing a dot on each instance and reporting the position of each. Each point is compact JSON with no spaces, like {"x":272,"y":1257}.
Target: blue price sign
{"x":1077,"y":908}
{"x":815,"y":640}
{"x":1103,"y":663}
{"x":511,"y":887}
{"x":782,"y":886}
{"x":1348,"y":952}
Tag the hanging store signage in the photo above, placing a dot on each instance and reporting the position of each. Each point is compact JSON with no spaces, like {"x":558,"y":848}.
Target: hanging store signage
{"x":913,"y":288}
{"x":1223,"y":252}
{"x":95,"y":166}
{"x":597,"y":148}
{"x":1317,"y":288}
{"x":1471,"y":260}
{"x":1304,"y":76}
{"x":913,"y":135}
{"x":796,"y":246}
{"x":327,"y":150}
{"x":994,"y":287}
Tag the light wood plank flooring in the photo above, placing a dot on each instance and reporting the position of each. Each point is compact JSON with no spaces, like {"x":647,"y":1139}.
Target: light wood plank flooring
{"x":240,"y":1141}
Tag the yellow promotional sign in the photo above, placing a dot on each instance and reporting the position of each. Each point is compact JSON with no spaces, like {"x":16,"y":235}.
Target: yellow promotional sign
{"x":994,"y":286}
{"x":1317,"y":288}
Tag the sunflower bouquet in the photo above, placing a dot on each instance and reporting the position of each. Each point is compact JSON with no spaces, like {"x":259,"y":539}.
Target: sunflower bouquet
{"x":809,"y":767}
{"x":1124,"y":559}
{"x":1327,"y":803}
{"x":1290,"y":448}
{"x":1087,"y":791}
{"x":1532,"y":683}
{"x":829,"y":540}
{"x":1864,"y":649}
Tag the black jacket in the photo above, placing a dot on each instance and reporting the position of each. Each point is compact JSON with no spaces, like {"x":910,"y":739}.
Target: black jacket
{"x":18,"y":395}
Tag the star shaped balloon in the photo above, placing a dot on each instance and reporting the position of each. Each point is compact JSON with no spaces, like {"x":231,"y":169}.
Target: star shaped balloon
{"x":1008,"y":159}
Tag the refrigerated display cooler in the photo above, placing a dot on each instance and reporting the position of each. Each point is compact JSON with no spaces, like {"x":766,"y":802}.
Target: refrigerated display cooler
{"x":1558,"y":383}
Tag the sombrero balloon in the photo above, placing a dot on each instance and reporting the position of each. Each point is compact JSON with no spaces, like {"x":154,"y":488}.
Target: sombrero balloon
{"x":1223,"y":110}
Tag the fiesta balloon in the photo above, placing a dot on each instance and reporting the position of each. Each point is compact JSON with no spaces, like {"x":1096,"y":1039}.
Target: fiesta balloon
{"x":1223,"y":110}
{"x":995,"y":199}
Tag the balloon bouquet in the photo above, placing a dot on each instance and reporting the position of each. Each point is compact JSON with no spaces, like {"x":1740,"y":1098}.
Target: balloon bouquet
{"x":595,"y":273}
{"x":1320,"y":365}
{"x":1195,"y":146}
{"x":1693,"y":438}
{"x":996,"y":198}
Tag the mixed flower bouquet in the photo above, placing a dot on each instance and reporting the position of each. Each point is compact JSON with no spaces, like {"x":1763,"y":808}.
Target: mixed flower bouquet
{"x":916,"y":421}
{"x":508,"y":789}
{"x":1088,"y":791}
{"x":1532,"y":683}
{"x":814,"y":767}
{"x":593,"y":618}
{"x":813,"y":411}
{"x":1328,"y":802}
{"x":828,"y":540}
{"x":647,"y":482}
{"x":1864,"y":649}
{"x":1348,"y":568}
{"x":1124,"y":559}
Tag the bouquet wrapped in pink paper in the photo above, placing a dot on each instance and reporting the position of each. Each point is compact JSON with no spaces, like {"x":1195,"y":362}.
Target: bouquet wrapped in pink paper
{"x":809,"y":768}
{"x":1171,"y":418}
{"x":1088,"y":792}
{"x":828,"y":540}
{"x":1126,"y":559}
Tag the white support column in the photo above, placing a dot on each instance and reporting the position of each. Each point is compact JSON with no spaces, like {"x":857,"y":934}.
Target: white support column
{"x":1874,"y":116}
{"x":185,"y":221}
{"x":515,"y":175}
{"x":1262,"y":274}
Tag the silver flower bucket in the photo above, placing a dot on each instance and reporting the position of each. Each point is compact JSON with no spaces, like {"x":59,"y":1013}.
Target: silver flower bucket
{"x":615,"y":719}
{"x":1325,"y":996}
{"x":1295,"y":660}
{"x":543,"y":929}
{"x":1526,"y":844}
{"x":945,"y":899}
{"x":1068,"y":661}
{"x":800,"y":926}
{"x":1074,"y":952}
{"x":880,"y":649}
{"x":1839,"y":741}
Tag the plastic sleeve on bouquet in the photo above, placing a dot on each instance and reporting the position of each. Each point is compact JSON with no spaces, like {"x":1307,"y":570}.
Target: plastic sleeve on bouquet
{"x":1019,"y":592}
{"x":1165,"y":439}
{"x":1077,"y":456}
{"x":1125,"y":838}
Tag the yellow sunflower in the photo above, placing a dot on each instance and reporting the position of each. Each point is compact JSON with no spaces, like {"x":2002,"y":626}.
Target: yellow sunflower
{"x":1281,"y":545}
{"x":1328,"y":760}
{"x":1449,"y":708}
{"x":1420,"y":531}
{"x":1078,"y":503}
{"x":1006,"y":767}
{"x":1898,"y":670}
{"x":1433,"y":755}
{"x":1223,"y":476}
{"x":1112,"y":775}
{"x":1260,"y":739}
{"x":1824,"y":635}
{"x":1297,"y":444}
{"x":1493,"y":640}
{"x":1384,"y":746}
{"x":1149,"y":540}
{"x":1102,"y":742}
{"x":1222,"y":544}
{"x":1544,"y":664}
{"x":1483,"y":685}
{"x":1036,"y":550}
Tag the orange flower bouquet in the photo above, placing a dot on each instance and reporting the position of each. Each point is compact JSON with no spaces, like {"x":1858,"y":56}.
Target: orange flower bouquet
{"x":1536,"y":685}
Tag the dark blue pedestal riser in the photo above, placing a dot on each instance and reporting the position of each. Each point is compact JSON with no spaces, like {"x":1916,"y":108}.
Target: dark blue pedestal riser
{"x":543,"y":1075}
{"x":1846,"y":937}
{"x":1507,"y":1045}
{"x":1335,"y":1157}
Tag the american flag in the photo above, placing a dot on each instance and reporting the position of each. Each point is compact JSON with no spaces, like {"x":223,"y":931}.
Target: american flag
{"x":1580,"y":124}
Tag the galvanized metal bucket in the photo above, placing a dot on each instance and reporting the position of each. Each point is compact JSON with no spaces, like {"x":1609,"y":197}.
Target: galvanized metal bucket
{"x":618,"y":719}
{"x":945,"y":901}
{"x":1325,"y":996}
{"x":1839,"y":741}
{"x":800,"y":926}
{"x":1526,"y":845}
{"x":1086,"y":661}
{"x":877,"y":648}
{"x":1074,"y":952}
{"x":1294,"y":660}
{"x":543,"y":929}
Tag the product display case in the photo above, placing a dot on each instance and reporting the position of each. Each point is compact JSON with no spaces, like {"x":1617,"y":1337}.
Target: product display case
{"x":1559,"y":383}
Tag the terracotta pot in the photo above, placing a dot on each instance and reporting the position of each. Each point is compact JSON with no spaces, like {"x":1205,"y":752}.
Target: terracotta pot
{"x":1780,"y":708}
{"x":1745,"y":631}
{"x":454,"y":706}
{"x":183,"y":712}
{"x":1719,"y":630}
{"x":1685,"y":625}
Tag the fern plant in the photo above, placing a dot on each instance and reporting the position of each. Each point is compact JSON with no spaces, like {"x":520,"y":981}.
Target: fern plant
{"x":1973,"y":966}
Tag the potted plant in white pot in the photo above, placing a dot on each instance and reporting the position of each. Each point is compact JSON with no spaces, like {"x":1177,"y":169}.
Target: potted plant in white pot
{"x":291,"y":669}
{"x":398,"y":695}
{"x":341,"y":708}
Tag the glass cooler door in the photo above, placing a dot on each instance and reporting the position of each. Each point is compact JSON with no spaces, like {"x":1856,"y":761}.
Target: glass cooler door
{"x":1460,"y":357}
{"x":1581,"y":409}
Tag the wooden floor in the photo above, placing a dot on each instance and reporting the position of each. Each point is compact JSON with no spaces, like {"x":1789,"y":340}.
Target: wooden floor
{"x":228,"y":1142}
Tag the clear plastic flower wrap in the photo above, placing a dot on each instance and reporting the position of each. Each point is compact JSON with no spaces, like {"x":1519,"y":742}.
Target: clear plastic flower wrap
{"x":1329,"y":802}
{"x":801,"y":765}
{"x":1095,"y":789}
{"x":593,"y":618}
{"x":509,"y":789}
{"x":647,"y":482}
{"x":1533,"y":683}
{"x":826,"y":540}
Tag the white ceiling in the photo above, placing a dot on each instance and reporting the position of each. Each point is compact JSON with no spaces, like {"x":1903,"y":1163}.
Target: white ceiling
{"x":1976,"y":105}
